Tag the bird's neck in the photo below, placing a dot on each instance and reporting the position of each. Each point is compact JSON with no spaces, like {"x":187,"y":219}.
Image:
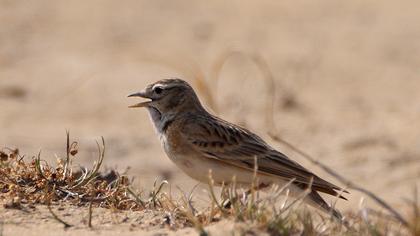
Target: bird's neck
{"x":161,"y":121}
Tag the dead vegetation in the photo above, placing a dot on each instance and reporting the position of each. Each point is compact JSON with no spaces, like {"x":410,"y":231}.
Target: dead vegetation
{"x":25,"y":183}
{"x":270,"y":83}
{"x":36,"y":181}
{"x":209,"y":88}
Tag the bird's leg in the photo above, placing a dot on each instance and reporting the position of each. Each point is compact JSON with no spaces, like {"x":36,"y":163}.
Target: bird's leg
{"x":228,"y":203}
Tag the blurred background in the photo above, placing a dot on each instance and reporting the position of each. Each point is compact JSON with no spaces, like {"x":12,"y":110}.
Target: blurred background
{"x":346,"y":76}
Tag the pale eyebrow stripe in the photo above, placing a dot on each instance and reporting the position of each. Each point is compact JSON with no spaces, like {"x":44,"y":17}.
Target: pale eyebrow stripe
{"x":158,"y":85}
{"x":164,"y":86}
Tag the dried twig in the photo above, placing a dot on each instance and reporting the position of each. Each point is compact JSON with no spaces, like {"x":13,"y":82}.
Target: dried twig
{"x":136,"y":197}
{"x":66,"y":165}
{"x":343,"y":180}
{"x":90,"y":215}
{"x":90,"y":175}
{"x":300,"y":197}
{"x":213,"y":195}
{"x":156,"y":191}
{"x":267,"y":74}
{"x":263,"y":66}
{"x":66,"y":225}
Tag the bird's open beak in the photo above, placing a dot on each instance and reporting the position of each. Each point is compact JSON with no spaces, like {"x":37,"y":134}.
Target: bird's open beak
{"x":142,"y":94}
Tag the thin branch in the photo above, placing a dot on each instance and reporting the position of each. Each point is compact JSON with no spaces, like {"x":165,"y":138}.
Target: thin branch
{"x":263,"y":66}
{"x":67,"y":155}
{"x":343,"y":180}
{"x":90,"y":215}
{"x":66,"y":225}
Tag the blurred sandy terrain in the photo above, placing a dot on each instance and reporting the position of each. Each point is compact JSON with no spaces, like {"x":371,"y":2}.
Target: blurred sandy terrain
{"x":351,"y":67}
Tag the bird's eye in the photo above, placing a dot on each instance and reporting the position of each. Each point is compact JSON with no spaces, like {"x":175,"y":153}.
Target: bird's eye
{"x":158,"y":90}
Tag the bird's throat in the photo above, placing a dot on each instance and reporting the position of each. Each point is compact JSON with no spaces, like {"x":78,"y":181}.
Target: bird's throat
{"x":160,"y":121}
{"x":155,"y":114}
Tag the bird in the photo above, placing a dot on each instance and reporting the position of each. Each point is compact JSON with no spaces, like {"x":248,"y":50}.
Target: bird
{"x":199,"y":142}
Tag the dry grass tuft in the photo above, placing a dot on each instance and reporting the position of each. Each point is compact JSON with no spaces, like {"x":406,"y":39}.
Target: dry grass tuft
{"x":24,"y":184}
{"x":275,"y":213}
{"x":37,"y":182}
{"x":358,"y":223}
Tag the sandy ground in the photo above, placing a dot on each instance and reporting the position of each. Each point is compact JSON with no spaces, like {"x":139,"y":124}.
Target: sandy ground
{"x":351,"y":69}
{"x":103,"y":223}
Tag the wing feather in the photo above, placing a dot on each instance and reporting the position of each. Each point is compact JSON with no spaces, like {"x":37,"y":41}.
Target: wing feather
{"x":219,"y":139}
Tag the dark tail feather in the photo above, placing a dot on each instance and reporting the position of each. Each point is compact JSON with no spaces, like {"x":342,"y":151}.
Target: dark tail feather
{"x":320,"y":202}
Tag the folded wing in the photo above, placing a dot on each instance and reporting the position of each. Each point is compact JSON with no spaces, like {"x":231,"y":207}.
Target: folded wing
{"x":221,"y":140}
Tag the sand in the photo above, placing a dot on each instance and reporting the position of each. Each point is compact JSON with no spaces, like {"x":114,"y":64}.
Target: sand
{"x":346,"y":76}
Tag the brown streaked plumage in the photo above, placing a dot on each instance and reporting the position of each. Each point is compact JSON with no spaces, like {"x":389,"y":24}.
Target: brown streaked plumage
{"x":197,"y":142}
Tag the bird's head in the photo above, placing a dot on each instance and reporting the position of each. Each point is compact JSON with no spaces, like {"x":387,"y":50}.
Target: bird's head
{"x":171,"y":96}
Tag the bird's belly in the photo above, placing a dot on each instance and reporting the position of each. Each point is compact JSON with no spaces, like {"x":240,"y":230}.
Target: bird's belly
{"x":199,"y":168}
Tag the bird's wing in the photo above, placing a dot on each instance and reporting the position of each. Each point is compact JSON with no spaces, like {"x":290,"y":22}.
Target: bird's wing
{"x":221,"y":140}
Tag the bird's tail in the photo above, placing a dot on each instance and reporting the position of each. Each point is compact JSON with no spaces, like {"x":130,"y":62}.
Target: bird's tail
{"x":315,"y":200}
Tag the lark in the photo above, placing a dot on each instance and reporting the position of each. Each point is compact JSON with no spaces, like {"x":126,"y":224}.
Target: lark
{"x":199,"y":142}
